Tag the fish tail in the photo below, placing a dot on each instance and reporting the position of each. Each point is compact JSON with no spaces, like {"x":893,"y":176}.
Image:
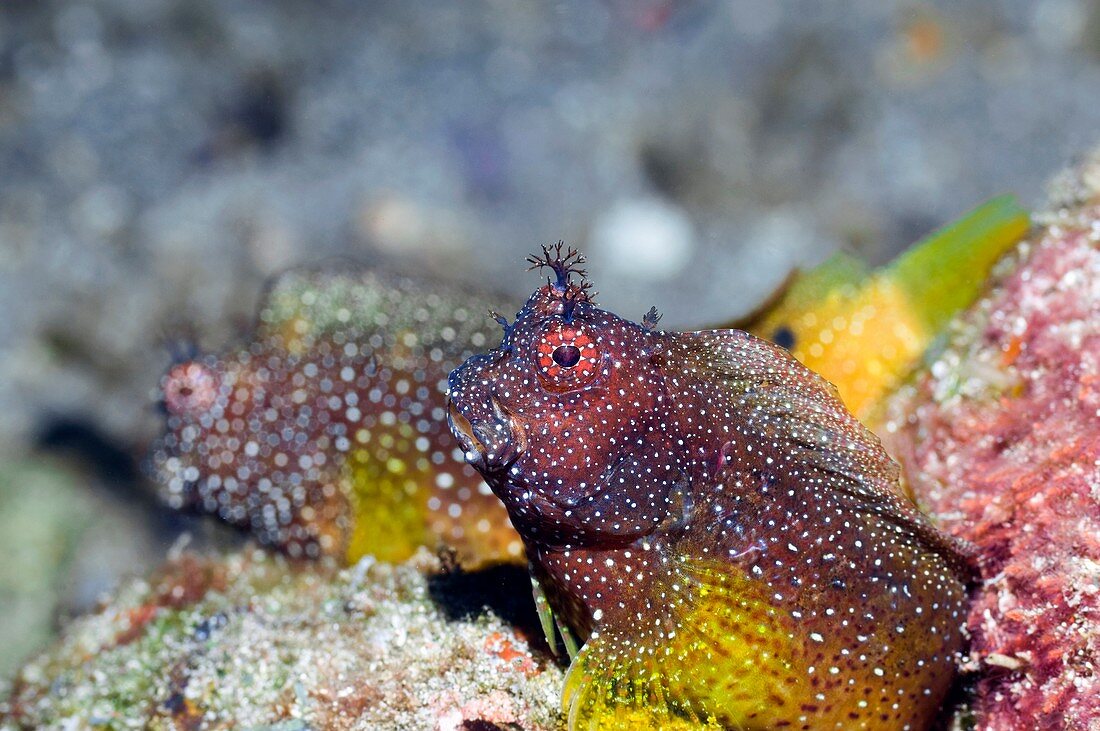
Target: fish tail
{"x":944,"y":272}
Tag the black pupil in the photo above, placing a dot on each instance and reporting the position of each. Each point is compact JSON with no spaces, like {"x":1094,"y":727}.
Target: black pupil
{"x":567,"y":356}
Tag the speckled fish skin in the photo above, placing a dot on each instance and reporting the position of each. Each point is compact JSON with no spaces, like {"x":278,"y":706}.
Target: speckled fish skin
{"x":729,"y":540}
{"x":326,"y":433}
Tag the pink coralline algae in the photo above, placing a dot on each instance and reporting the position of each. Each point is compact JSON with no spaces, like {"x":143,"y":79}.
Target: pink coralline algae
{"x":1000,"y":440}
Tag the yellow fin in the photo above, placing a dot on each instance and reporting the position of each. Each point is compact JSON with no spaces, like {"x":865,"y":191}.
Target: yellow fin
{"x":943,"y":272}
{"x":718,"y":656}
{"x":865,"y":334}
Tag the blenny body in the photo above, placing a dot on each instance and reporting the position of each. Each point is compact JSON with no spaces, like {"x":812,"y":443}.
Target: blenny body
{"x":326,"y":432}
{"x":700,"y":508}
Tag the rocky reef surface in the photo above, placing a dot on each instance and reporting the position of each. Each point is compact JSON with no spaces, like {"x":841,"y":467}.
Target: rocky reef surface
{"x":253,"y":641}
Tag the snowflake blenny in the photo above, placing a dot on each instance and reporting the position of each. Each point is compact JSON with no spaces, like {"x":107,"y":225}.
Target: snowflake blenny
{"x":326,"y":432}
{"x":731,"y":545}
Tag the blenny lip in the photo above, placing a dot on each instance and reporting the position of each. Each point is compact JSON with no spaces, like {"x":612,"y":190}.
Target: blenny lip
{"x":492,"y":444}
{"x":463,"y":430}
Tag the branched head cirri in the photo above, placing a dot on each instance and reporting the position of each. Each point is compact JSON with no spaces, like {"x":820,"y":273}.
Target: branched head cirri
{"x":701,"y":508}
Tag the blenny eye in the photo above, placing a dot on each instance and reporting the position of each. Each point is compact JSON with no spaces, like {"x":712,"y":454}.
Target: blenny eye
{"x":190,"y":388}
{"x":783,"y":336}
{"x":568,"y":357}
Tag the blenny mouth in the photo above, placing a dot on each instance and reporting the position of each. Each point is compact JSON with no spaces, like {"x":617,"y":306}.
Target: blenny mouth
{"x":492,"y":444}
{"x":463,"y":431}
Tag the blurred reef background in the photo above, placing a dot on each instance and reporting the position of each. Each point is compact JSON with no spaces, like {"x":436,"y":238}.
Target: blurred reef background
{"x":161,"y":159}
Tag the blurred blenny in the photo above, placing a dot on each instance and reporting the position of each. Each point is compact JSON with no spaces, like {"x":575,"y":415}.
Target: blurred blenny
{"x":700,"y":509}
{"x":866,"y":331}
{"x":326,"y":434}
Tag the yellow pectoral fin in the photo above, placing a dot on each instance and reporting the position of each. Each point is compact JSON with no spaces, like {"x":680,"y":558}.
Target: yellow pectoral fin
{"x":389,"y":508}
{"x":600,"y":695}
{"x":724,"y":658}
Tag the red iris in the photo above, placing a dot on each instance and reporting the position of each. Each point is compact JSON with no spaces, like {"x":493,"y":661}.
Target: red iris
{"x":568,"y":357}
{"x":190,"y":388}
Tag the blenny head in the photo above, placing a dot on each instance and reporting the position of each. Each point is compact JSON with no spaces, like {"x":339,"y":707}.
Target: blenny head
{"x":193,"y":394}
{"x":229,"y":446}
{"x":558,"y":414}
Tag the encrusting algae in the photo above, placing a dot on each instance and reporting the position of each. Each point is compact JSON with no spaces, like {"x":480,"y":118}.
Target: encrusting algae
{"x":701,"y":510}
{"x":1000,"y":439}
{"x":326,"y":433}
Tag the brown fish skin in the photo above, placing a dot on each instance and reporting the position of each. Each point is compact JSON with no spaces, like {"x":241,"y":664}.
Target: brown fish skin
{"x":325,"y":433}
{"x":730,"y":541}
